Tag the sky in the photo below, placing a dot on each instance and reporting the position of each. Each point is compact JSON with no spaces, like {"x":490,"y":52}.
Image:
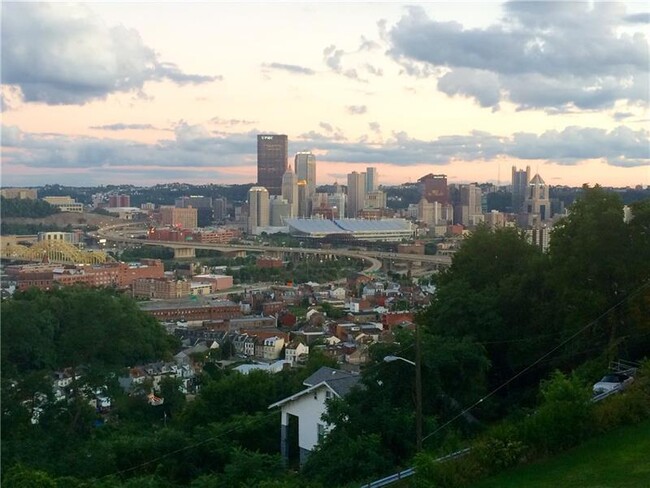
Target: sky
{"x":155,"y":92}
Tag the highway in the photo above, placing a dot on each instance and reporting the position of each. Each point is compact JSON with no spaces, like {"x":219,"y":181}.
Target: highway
{"x":373,"y":258}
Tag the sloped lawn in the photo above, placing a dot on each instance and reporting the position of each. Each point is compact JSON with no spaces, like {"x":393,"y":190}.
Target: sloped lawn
{"x":618,"y":459}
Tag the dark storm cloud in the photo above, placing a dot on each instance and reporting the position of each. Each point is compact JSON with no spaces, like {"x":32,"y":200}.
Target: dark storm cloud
{"x":291,"y":68}
{"x":194,"y":147}
{"x":541,"y":55}
{"x":64,"y":54}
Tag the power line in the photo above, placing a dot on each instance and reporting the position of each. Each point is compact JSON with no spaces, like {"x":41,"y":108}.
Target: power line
{"x":539,"y":360}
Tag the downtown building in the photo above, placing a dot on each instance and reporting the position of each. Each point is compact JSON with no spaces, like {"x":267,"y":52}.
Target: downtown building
{"x":272,"y":156}
{"x":259,"y":211}
{"x":305,"y":165}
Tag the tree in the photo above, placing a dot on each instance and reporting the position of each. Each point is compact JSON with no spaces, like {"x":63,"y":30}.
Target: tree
{"x":599,"y":261}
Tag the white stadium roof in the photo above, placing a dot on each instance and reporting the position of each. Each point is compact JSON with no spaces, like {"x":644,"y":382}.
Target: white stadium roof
{"x":386,"y":229}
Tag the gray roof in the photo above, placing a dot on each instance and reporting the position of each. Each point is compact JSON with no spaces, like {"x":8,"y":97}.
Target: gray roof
{"x":184,"y":303}
{"x":340,"y":382}
{"x":347,"y":226}
{"x":331,"y":377}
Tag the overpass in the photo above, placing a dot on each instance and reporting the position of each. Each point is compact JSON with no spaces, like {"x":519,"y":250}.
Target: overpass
{"x":186,"y":250}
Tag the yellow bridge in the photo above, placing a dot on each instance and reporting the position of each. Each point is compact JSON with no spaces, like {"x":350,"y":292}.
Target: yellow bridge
{"x":53,"y":252}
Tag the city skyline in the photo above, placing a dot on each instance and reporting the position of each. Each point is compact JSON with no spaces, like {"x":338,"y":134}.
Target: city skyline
{"x":155,"y":92}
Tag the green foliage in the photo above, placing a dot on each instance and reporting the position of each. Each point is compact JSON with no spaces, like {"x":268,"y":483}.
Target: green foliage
{"x":17,"y":228}
{"x":499,"y":450}
{"x":564,"y":418}
{"x":596,"y":261}
{"x":20,"y":477}
{"x":74,"y":326}
{"x":343,"y":458}
{"x":17,"y":207}
{"x":247,"y":469}
{"x":430,"y":473}
{"x":146,"y":252}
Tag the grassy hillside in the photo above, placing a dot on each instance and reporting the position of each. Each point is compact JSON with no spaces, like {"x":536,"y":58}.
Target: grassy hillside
{"x":619,"y":459}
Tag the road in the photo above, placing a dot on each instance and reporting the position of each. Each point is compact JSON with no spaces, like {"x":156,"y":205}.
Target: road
{"x":373,"y":258}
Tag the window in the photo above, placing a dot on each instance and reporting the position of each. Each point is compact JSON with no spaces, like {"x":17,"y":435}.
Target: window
{"x":328,"y":394}
{"x":321,"y":432}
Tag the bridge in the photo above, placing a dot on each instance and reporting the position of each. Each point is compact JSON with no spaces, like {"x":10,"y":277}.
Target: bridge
{"x":58,"y":252}
{"x":186,"y":249}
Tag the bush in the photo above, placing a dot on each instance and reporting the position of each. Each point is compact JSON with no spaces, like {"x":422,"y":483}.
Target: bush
{"x":430,"y":473}
{"x":500,"y":448}
{"x":564,"y":417}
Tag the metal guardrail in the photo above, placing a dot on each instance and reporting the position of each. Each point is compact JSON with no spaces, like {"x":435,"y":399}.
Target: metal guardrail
{"x":393,"y":478}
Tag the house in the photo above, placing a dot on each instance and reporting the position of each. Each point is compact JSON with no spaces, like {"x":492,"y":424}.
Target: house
{"x":294,"y":350}
{"x":338,"y":293}
{"x":272,"y":348}
{"x":274,"y":367}
{"x":307,"y":408}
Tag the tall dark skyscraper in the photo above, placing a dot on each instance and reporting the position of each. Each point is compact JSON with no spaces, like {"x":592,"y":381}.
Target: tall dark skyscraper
{"x":272,"y":154}
{"x":434,"y":188}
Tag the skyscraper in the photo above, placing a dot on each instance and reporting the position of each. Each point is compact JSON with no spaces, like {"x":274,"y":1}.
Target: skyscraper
{"x":372,"y":183}
{"x":290,"y":191}
{"x":306,"y":170}
{"x":537,"y":201}
{"x":356,"y":193}
{"x":303,"y":199}
{"x":520,"y":180}
{"x":434,"y":188}
{"x":280,"y":210}
{"x":258,"y":208}
{"x":272,"y":155}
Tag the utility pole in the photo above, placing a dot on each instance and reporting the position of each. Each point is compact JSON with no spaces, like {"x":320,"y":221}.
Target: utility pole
{"x":418,"y":387}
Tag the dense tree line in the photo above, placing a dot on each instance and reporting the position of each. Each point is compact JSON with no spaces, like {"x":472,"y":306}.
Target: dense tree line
{"x":25,"y":207}
{"x":15,"y":228}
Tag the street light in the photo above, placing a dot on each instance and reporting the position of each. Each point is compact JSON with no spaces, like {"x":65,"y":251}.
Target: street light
{"x":390,"y":359}
{"x":418,"y":385}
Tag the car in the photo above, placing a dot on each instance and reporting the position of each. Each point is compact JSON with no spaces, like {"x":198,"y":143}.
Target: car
{"x":612,"y":381}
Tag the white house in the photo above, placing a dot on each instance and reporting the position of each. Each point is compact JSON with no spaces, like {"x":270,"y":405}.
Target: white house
{"x":294,"y":350}
{"x":338,"y":293}
{"x":308,"y":407}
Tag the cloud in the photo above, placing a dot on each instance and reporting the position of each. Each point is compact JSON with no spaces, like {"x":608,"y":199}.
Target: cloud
{"x":375,"y":127}
{"x":333,"y":59}
{"x":121,"y":126}
{"x":618,"y":116}
{"x":291,"y":68}
{"x":549,"y":55}
{"x":642,"y":18}
{"x":326,"y":126}
{"x":231,"y":122}
{"x":368,"y":44}
{"x":65,"y":54}
{"x":196,"y":148}
{"x":356,"y":109}
{"x":373,"y":70}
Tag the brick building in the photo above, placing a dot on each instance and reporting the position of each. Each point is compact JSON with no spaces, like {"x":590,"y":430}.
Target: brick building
{"x":161,"y":288}
{"x":192,"y":309}
{"x":185,"y":218}
{"x":120,"y":275}
{"x":268,"y":262}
